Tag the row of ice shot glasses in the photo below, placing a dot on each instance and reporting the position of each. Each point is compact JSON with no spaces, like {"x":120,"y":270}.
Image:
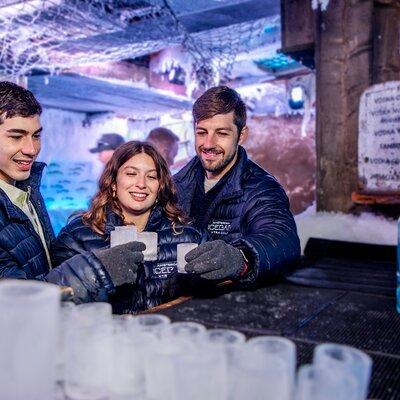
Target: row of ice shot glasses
{"x":99,"y":356}
{"x":151,"y":358}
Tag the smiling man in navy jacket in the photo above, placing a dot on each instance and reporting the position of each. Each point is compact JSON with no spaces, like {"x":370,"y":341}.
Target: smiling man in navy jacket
{"x":244,"y":208}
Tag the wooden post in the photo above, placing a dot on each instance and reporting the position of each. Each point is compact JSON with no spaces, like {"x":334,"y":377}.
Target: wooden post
{"x":298,"y":31}
{"x":386,"y":49}
{"x":343,"y":55}
{"x":297,"y":25}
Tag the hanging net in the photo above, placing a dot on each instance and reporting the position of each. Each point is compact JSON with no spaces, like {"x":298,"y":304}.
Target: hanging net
{"x":54,"y":34}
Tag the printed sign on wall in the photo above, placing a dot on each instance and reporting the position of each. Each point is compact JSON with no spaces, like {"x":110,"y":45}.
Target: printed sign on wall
{"x":379,"y":138}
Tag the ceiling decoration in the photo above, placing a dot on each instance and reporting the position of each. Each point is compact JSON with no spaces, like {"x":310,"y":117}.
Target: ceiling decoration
{"x":56,"y":34}
{"x":137,"y":56}
{"x":82,"y":94}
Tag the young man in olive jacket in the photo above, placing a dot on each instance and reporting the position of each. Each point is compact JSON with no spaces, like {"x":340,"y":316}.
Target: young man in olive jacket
{"x":243,"y":207}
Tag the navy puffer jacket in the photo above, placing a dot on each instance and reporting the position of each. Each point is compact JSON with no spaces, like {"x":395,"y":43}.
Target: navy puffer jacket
{"x":250,"y":212}
{"x":22,"y":255}
{"x":154,"y":283}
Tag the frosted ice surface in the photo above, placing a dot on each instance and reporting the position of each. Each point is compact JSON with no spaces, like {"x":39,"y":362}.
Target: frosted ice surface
{"x":365,"y":228}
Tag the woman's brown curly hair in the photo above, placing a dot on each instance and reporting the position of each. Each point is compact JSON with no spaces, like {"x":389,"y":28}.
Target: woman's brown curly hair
{"x":167,"y":197}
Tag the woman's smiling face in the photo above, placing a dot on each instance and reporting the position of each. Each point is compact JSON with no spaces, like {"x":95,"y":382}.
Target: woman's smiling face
{"x":137,"y":185}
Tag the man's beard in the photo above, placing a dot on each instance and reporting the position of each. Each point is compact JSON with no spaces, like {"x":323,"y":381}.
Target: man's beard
{"x":219,"y":166}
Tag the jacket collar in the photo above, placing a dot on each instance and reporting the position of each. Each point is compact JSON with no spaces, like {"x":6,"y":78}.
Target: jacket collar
{"x":113,"y":220}
{"x":155,"y":218}
{"x":34,"y":178}
{"x":33,"y":181}
{"x":234,"y":185}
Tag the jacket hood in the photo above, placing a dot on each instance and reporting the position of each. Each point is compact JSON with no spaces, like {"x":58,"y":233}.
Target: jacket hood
{"x":33,"y":182}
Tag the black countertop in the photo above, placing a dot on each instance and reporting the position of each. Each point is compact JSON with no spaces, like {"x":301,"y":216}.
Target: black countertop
{"x":327,"y":307}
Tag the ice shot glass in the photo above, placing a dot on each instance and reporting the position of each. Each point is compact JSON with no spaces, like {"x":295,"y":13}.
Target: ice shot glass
{"x":150,"y":239}
{"x":29,"y":320}
{"x":153,"y":323}
{"x":122,"y":235}
{"x":88,"y":351}
{"x":182,"y":249}
{"x":315,"y":383}
{"x":356,"y":363}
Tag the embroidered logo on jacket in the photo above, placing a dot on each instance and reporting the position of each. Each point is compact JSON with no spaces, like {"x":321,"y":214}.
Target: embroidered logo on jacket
{"x":218,"y":228}
{"x":163,"y":269}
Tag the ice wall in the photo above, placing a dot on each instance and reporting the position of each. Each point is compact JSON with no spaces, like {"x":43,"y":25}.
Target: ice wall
{"x":276,"y":144}
{"x":70,"y":178}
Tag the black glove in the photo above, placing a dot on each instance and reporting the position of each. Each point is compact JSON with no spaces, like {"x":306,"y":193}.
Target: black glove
{"x":215,"y":260}
{"x":122,"y":261}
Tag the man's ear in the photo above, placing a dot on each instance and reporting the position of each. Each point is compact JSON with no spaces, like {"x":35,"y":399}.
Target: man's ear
{"x":243,"y":135}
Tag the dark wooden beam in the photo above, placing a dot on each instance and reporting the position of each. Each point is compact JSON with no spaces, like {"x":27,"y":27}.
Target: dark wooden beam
{"x":298,"y":31}
{"x":343,"y":71}
{"x":297,"y":22}
{"x":386,"y":44}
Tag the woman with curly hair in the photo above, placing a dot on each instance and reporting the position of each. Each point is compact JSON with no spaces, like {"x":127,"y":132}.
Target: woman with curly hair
{"x":135,"y":188}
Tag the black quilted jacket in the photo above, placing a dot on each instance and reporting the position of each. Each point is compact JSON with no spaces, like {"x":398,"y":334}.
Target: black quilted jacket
{"x":251,"y":212}
{"x":154,"y":283}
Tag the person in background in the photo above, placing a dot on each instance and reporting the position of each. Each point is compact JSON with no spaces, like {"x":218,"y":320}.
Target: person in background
{"x":106,"y":146}
{"x":166,"y":142}
{"x":243,"y":207}
{"x":26,"y":233}
{"x":135,"y":188}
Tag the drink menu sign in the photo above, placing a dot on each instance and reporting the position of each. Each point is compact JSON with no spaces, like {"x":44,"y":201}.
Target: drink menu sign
{"x":379,"y":138}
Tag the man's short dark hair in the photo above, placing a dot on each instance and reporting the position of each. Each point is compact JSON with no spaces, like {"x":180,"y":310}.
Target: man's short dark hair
{"x":220,"y":100}
{"x":162,"y":135}
{"x":15,"y":101}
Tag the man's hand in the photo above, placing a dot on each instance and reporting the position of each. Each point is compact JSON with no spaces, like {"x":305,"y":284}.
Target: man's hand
{"x":122,"y":262}
{"x":67,"y":293}
{"x":215,"y":260}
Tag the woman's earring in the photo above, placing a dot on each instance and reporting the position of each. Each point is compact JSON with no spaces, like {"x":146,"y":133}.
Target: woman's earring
{"x":114,"y":194}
